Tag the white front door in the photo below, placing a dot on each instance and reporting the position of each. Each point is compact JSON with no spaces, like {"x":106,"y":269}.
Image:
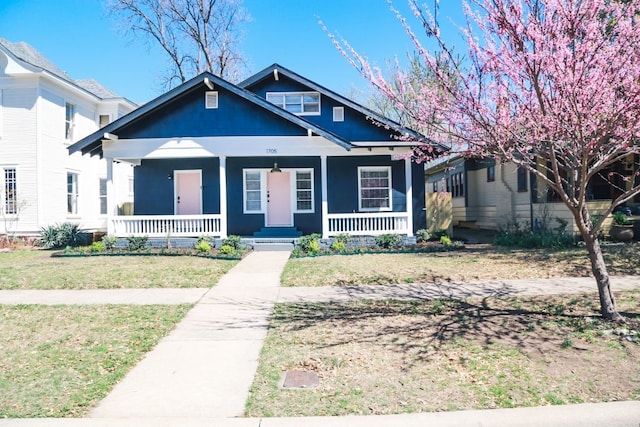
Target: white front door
{"x":188,"y":185}
{"x":279,"y":199}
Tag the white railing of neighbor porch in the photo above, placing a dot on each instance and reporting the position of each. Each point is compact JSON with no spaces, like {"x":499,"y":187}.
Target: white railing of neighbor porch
{"x":369,"y":224}
{"x":167,"y":225}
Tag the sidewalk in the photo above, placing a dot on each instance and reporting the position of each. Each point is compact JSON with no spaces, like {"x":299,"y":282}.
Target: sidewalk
{"x":200,"y":374}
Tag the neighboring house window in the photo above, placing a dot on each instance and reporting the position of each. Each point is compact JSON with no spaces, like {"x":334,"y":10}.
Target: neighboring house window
{"x":253,"y":191}
{"x":302,"y":103}
{"x":10,"y":191}
{"x":104,"y":120}
{"x":304,"y":190}
{"x":435,"y":187}
{"x":374,"y":188}
{"x":72,"y":193}
{"x":103,"y":196}
{"x":338,"y":114}
{"x":211,"y":100}
{"x":522,"y":179}
{"x":457,"y":185}
{"x":491,"y":173}
{"x":70,"y":112}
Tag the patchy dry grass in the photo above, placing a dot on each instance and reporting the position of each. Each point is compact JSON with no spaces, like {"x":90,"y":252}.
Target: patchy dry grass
{"x":36,"y":269}
{"x":58,"y":361}
{"x":486,"y":263}
{"x":398,"y":357}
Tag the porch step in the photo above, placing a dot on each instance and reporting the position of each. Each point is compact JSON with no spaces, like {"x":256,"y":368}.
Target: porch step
{"x":269,"y":232}
{"x":272,"y":246}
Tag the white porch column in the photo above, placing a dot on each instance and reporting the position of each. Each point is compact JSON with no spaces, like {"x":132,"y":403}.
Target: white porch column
{"x":112,"y":207}
{"x":325,"y":205}
{"x":223,"y":197}
{"x":409,"y":193}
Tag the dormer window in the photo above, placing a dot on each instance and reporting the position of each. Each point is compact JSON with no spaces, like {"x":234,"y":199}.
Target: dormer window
{"x":301,"y":103}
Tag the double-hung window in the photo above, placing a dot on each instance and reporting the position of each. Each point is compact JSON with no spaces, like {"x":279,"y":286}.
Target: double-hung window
{"x":72,"y":193}
{"x":10,"y":191}
{"x":253,"y":189}
{"x":374,"y":188}
{"x":69,"y":114}
{"x":304,"y":190}
{"x":103,"y":196}
{"x":301,"y":103}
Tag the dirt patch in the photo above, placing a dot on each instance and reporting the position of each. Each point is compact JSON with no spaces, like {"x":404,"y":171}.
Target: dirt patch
{"x":396,"y":357}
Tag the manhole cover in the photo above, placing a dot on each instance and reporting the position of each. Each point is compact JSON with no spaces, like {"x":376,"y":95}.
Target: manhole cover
{"x":301,"y":379}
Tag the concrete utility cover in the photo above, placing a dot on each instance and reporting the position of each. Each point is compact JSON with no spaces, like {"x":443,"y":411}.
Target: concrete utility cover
{"x":300,"y":379}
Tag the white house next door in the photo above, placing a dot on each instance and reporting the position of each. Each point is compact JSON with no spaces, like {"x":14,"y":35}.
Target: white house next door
{"x":279,"y":199}
{"x":188,"y":191}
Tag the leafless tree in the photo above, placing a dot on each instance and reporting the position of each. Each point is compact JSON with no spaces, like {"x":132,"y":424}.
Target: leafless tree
{"x":196,"y":35}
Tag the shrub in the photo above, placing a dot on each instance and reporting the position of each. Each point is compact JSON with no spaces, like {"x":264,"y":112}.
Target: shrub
{"x":137,"y":243}
{"x":233,"y":241}
{"x":97,"y":247}
{"x":445,"y":241}
{"x":109,"y":242}
{"x":310,"y":244}
{"x":521,"y":235}
{"x":60,"y":235}
{"x":388,"y":241}
{"x":343,"y":238}
{"x":338,"y":246}
{"x":619,"y":218}
{"x":423,"y":235}
{"x":227,"y":250}
{"x":203,"y":247}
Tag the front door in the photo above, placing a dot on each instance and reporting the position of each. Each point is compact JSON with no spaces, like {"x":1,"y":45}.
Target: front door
{"x":188,"y":192}
{"x":279,"y":199}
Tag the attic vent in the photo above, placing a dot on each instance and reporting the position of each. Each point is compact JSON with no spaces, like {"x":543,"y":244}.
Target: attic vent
{"x":338,"y":114}
{"x":210,"y":100}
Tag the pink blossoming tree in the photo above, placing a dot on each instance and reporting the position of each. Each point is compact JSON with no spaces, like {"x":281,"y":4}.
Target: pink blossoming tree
{"x":552,"y":86}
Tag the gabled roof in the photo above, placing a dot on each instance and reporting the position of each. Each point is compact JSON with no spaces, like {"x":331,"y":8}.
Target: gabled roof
{"x":269,"y":72}
{"x":92,"y":144}
{"x":28,"y":54}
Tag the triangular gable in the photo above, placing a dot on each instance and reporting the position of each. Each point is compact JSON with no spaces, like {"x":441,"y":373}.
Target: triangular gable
{"x":276,"y":71}
{"x":157,"y":108}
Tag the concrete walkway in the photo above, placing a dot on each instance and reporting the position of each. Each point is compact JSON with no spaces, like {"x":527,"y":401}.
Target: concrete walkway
{"x":200,"y":374}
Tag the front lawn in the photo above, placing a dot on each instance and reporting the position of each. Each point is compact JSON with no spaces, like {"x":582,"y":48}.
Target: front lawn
{"x":490,"y":263}
{"x":37,"y":269}
{"x":59,"y":361}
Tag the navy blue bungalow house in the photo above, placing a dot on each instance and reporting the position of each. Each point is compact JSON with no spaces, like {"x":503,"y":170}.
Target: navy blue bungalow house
{"x":275,"y":156}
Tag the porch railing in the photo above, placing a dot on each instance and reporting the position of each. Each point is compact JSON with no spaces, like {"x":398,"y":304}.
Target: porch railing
{"x":166,"y":225}
{"x":368,"y":224}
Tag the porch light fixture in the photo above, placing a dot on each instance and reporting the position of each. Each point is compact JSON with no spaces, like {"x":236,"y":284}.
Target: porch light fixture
{"x":275,"y":168}
{"x":170,"y":176}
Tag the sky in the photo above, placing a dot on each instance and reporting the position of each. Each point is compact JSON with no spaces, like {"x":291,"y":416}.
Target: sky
{"x":84,"y":41}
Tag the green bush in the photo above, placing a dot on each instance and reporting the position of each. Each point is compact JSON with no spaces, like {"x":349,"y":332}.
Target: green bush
{"x":137,"y":243}
{"x":310,"y":244}
{"x":446,"y":241}
{"x":619,"y":218}
{"x":388,"y":241}
{"x":338,"y":246}
{"x":109,"y":242}
{"x":233,"y":241}
{"x":521,"y":235}
{"x":423,"y":235}
{"x":60,"y":235}
{"x":227,"y":250}
{"x":203,"y":247}
{"x":97,"y":247}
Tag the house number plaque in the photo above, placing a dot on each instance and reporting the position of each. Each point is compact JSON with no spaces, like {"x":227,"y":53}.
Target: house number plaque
{"x":272,"y":151}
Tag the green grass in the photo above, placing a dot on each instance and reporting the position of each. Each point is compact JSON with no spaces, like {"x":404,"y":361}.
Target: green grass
{"x":36,"y":269}
{"x":59,"y":361}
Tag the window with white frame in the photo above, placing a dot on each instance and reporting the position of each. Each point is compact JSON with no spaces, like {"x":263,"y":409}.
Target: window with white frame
{"x":374,"y":188}
{"x":211,"y":100}
{"x":304,"y":190}
{"x":69,"y":114}
{"x":72,"y":193}
{"x":338,"y":114}
{"x":10,"y":191}
{"x":102,"y":194}
{"x":301,"y":103}
{"x":252,"y":189}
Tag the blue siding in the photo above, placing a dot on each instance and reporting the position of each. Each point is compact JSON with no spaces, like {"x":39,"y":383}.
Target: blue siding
{"x":343,"y":179}
{"x":355,"y":127}
{"x":186,"y":116}
{"x":247,"y":224}
{"x":154,"y":192}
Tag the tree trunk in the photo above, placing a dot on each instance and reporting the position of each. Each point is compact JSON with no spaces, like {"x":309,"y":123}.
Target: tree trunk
{"x":599,"y":269}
